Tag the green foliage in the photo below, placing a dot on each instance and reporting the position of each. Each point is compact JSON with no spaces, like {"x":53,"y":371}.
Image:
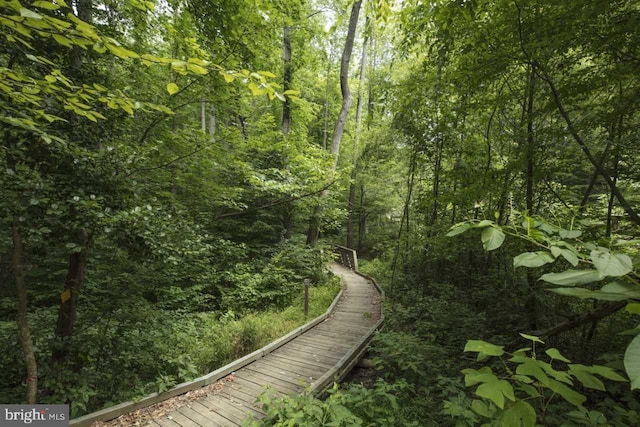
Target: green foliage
{"x":529,"y":380}
{"x":352,"y":406}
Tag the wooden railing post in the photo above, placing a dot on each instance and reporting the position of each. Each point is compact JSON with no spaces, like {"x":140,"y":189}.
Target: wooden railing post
{"x":348,"y":257}
{"x":306,"y":297}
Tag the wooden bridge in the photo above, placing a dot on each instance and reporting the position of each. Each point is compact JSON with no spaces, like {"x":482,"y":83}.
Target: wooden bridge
{"x":315,"y":355}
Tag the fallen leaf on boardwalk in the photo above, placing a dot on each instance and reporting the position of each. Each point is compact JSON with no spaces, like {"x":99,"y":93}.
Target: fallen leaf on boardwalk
{"x":162,"y":409}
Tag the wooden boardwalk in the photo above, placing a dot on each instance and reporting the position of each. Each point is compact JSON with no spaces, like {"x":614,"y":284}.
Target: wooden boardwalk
{"x":316,"y":358}
{"x":313,"y":356}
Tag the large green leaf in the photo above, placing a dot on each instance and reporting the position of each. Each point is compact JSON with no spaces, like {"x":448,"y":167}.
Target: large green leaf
{"x":567,"y":393}
{"x":567,"y":254}
{"x":554,"y":353}
{"x":632,"y":362}
{"x":533,"y":259}
{"x":588,"y":293}
{"x":588,"y":380}
{"x":492,"y":238}
{"x":458,"y":229}
{"x":483,"y":347}
{"x":572,"y":277}
{"x":490,"y":391}
{"x":519,"y":414}
{"x":610,"y":264}
{"x":483,"y":375}
{"x":627,"y":289}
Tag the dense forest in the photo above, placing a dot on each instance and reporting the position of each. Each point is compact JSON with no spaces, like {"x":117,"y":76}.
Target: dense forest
{"x":172,"y":170}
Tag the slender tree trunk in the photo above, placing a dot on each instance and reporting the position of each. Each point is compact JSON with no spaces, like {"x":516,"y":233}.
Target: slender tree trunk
{"x":203,"y":115}
{"x":436,"y":181}
{"x":68,"y":312}
{"x":286,"y":81}
{"x":17,"y":265}
{"x":314,"y":223}
{"x":212,"y":121}
{"x":531,"y":304}
{"x":405,"y":212}
{"x":356,"y":148}
{"x":362,"y":223}
{"x":286,"y":215}
{"x":325,"y":116}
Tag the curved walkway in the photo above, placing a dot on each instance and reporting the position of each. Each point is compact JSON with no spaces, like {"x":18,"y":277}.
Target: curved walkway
{"x":316,"y":358}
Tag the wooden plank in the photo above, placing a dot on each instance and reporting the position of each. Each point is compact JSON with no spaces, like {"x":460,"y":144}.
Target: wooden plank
{"x":226,"y":409}
{"x":239,"y":406}
{"x":311,"y":365}
{"x":296,"y":357}
{"x":249,"y":388}
{"x":303,"y":356}
{"x":311,"y":369}
{"x":238,"y":397}
{"x":182,"y":420}
{"x":265,"y":379}
{"x":212,"y":416}
{"x":166,"y":422}
{"x":322,"y":343}
{"x":152,"y":423}
{"x":314,"y":351}
{"x":331,"y":337}
{"x":285,"y":375}
{"x":336,"y":336}
{"x":302,"y":371}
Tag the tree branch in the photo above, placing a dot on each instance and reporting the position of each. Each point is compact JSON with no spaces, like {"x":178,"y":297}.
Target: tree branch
{"x":599,"y":313}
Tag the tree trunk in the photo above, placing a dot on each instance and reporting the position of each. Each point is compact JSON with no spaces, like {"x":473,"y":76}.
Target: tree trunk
{"x":531,"y":304}
{"x":286,"y":80}
{"x":68,"y":312}
{"x":17,"y":265}
{"x":203,"y":116}
{"x":356,"y":148}
{"x":314,"y":223}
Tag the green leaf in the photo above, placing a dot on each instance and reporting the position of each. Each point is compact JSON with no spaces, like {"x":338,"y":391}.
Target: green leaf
{"x":29,"y":13}
{"x":228,"y":77}
{"x":458,"y":229}
{"x":121,"y":52}
{"x":610,"y":264}
{"x":588,"y":380}
{"x":45,"y":5}
{"x":484,"y":223}
{"x":197,"y":69}
{"x":572,"y":277}
{"x":555,"y":354}
{"x":531,"y":338}
{"x":520,"y":414}
{"x":603,"y":371}
{"x":172,"y":88}
{"x":491,"y":392}
{"x":588,"y":293}
{"x":483,"y":375}
{"x":627,"y":289}
{"x":480,"y":408}
{"x":570,"y":234}
{"x":533,"y":259}
{"x":633,"y":308}
{"x":531,"y":367}
{"x":483,"y":347}
{"x":567,"y":254}
{"x":567,"y":393}
{"x":492,"y":238}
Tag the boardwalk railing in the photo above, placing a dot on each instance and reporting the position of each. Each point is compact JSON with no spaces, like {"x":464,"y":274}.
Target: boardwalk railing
{"x":347,"y":316}
{"x":347,"y":257}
